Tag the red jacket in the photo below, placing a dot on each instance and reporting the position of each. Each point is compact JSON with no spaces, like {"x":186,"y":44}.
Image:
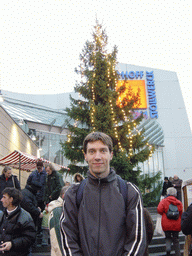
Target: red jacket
{"x":169,"y":224}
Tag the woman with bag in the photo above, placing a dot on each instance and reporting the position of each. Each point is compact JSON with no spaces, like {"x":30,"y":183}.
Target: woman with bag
{"x":171,"y":221}
{"x":7,"y":180}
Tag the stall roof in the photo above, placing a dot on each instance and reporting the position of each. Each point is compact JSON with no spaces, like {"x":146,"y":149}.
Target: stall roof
{"x":26,"y":162}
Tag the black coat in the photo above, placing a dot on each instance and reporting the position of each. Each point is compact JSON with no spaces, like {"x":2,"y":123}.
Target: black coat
{"x":186,"y":221}
{"x":18,"y":228}
{"x":166,"y":185}
{"x":29,"y":202}
{"x":7,"y":183}
{"x":53,"y":187}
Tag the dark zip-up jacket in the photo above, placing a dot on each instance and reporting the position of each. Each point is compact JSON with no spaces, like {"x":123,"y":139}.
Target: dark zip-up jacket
{"x":19,"y":228}
{"x":102,"y":226}
{"x":29,"y":202}
{"x":40,"y":177}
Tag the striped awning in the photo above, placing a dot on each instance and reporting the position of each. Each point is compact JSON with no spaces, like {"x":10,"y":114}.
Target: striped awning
{"x":26,"y":162}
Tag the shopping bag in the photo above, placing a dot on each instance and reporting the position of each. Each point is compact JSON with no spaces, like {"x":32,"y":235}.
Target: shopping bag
{"x":45,"y":220}
{"x":158,"y":228}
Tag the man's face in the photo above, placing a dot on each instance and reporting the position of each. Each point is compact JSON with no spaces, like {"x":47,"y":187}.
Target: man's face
{"x":7,"y":201}
{"x":40,"y":168}
{"x":98,"y":158}
{"x":175,"y":177}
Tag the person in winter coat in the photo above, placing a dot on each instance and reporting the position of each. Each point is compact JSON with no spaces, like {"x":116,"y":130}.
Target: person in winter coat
{"x":7,"y":180}
{"x":171,"y":227}
{"x":39,"y":175}
{"x":53,"y":184}
{"x":29,"y":202}
{"x":166,"y":184}
{"x":177,"y":185}
{"x":103,"y":224}
{"x":186,"y":223}
{"x":55,"y":210}
{"x":78,"y":177}
{"x":17,"y":229}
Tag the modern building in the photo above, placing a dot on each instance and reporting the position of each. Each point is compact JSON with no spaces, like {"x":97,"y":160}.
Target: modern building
{"x":166,"y":125}
{"x":166,"y":122}
{"x":12,"y":137}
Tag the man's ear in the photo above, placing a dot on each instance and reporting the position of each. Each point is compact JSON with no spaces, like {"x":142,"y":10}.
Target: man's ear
{"x":85,"y":157}
{"x":111,"y":155}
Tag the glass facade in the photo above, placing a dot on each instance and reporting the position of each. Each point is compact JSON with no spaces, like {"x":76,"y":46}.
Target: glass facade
{"x":155,"y":163}
{"x":49,"y":146}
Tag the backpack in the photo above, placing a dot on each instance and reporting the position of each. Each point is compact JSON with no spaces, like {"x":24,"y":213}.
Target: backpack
{"x":122,"y":184}
{"x":173,"y":212}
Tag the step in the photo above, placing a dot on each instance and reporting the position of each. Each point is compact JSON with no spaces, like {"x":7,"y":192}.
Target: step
{"x":164,"y":253}
{"x":161,"y":247}
{"x":161,"y":240}
{"x":157,"y":246}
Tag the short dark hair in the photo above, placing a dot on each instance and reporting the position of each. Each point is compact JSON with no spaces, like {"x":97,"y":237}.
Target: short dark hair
{"x":95,"y":136}
{"x":40,"y":163}
{"x":15,"y":193}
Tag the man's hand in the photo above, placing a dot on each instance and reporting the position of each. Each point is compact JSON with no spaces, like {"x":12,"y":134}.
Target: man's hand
{"x":5,"y":246}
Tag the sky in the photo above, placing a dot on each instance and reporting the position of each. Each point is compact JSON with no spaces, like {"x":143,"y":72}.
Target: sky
{"x":42,"y":39}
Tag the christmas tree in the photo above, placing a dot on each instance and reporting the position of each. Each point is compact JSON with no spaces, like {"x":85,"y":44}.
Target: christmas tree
{"x":105,"y":105}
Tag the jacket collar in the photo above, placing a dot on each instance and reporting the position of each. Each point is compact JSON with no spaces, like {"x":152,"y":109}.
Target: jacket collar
{"x":111,"y":177}
{"x":13,"y":213}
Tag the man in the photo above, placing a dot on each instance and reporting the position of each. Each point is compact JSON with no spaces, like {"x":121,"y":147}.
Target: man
{"x":177,"y":185}
{"x":17,"y":229}
{"x":39,"y":175}
{"x":29,"y":202}
{"x":102,"y":225}
{"x":171,"y":227}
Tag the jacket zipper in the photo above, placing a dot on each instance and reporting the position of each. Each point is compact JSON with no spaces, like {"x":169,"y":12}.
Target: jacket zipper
{"x":98,"y":244}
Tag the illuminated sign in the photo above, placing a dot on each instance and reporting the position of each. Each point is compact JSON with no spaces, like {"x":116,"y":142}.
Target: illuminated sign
{"x":138,"y":86}
{"x":131,"y":74}
{"x":132,"y":88}
{"x":151,"y":95}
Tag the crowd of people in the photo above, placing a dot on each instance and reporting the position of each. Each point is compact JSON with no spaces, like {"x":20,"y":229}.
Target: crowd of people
{"x":22,"y":211}
{"x":98,"y":215}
